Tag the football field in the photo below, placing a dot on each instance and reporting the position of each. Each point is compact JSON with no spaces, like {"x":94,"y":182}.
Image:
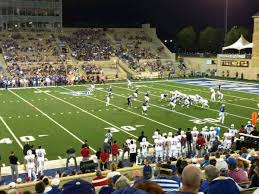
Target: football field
{"x":60,"y":117}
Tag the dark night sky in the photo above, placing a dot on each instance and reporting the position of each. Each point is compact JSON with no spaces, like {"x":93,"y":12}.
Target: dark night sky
{"x":167,"y":16}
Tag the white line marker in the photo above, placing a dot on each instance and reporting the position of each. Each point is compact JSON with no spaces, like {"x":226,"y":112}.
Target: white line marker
{"x":11,"y":132}
{"x":46,"y":115}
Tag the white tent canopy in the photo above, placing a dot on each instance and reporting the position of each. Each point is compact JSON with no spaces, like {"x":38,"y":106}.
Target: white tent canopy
{"x":240,"y":44}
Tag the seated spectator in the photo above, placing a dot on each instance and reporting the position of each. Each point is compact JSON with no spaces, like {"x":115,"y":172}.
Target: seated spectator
{"x":55,"y":186}
{"x":206,"y":161}
{"x":99,"y":180}
{"x":221,"y":163}
{"x":120,"y":182}
{"x":255,"y":177}
{"x":78,"y":186}
{"x":46,"y":182}
{"x":237,"y":174}
{"x":129,"y":190}
{"x":113,"y":172}
{"x":223,"y":185}
{"x":147,"y":172}
{"x":108,"y":189}
{"x":211,"y":172}
{"x":191,"y":180}
{"x":164,"y":179}
{"x":149,"y":187}
{"x":40,"y":187}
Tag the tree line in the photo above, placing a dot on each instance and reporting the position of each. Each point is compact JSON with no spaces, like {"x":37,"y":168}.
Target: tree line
{"x":209,"y":39}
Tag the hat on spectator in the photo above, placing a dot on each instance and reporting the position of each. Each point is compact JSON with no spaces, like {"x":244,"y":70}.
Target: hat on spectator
{"x":55,"y":182}
{"x":115,"y":178}
{"x":78,"y":186}
{"x":12,"y":185}
{"x":19,"y":180}
{"x":129,"y":190}
{"x":231,"y":161}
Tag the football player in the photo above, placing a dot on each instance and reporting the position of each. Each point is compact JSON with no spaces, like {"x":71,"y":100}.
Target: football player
{"x":159,"y":148}
{"x":220,"y":96}
{"x":30,"y":164}
{"x":213,"y":95}
{"x":129,"y":100}
{"x":222,"y":114}
{"x":108,"y":99}
{"x":143,"y":149}
{"x":129,"y":83}
{"x":40,"y":159}
{"x":144,"y":107}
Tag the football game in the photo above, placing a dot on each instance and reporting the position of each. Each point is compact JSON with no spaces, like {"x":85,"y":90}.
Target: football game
{"x":129,"y":97}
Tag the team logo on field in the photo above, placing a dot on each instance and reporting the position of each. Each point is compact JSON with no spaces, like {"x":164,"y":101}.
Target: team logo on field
{"x":78,"y":93}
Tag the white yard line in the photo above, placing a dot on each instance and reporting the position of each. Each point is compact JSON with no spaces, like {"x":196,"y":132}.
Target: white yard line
{"x":11,"y":132}
{"x":238,"y":116}
{"x":139,"y":115}
{"x":87,"y":112}
{"x":186,"y":115}
{"x":173,"y":86}
{"x":51,"y":119}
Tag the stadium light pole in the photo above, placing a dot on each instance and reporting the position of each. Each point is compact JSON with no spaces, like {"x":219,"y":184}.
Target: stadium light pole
{"x":226,"y":17}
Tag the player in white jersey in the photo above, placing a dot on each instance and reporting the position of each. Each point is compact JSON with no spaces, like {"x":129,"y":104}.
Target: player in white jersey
{"x":108,"y":99}
{"x":205,"y":133}
{"x":172,"y":103}
{"x":233,"y":130}
{"x":213,"y":95}
{"x":195,"y":134}
{"x":175,"y":146}
{"x":213,"y":135}
{"x":159,"y":148}
{"x":30,"y":164}
{"x":40,"y":158}
{"x":220,"y":96}
{"x":227,"y":140}
{"x":155,"y":136}
{"x":143,"y":149}
{"x":133,"y":151}
{"x":129,"y":83}
{"x":92,"y":87}
{"x":163,"y":97}
{"x":249,"y":127}
{"x":169,"y":144}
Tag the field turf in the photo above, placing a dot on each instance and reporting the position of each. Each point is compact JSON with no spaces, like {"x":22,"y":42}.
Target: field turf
{"x":56,"y":119}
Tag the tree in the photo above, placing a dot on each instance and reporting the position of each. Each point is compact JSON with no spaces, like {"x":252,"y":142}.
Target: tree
{"x":211,"y":39}
{"x":234,"y":34}
{"x":186,"y":38}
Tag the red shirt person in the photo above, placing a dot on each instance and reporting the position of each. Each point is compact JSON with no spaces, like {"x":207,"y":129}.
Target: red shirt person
{"x":85,"y":153}
{"x":99,"y":180}
{"x":104,"y":158}
{"x":115,"y":151}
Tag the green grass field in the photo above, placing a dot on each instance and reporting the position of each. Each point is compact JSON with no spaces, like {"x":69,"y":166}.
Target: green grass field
{"x":57,"y":120}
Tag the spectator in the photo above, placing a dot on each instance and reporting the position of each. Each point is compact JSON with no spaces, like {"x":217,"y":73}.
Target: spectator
{"x":78,"y":186}
{"x":191,"y":180}
{"x":104,"y":159}
{"x":85,"y":153}
{"x":211,"y":172}
{"x":113,"y":172}
{"x":115,"y":151}
{"x":255,"y":177}
{"x":237,"y":174}
{"x":189,"y":140}
{"x":149,"y":187}
{"x":46,"y":182}
{"x":215,"y":145}
{"x":120,"y":182}
{"x":147,"y":172}
{"x":220,"y":162}
{"x":14,"y":165}
{"x":165,"y":181}
{"x":141,"y":136}
{"x":200,"y":145}
{"x":98,"y":153}
{"x":206,"y":161}
{"x":130,"y":190}
{"x":71,"y":154}
{"x":107,"y":189}
{"x":85,"y":144}
{"x":55,"y":184}
{"x":99,"y":180}
{"x":40,"y":187}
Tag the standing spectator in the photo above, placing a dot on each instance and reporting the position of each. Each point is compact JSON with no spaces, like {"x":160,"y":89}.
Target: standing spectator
{"x":71,"y":154}
{"x":189,"y":140}
{"x":107,"y":145}
{"x":104,"y":159}
{"x":99,"y":180}
{"x":141,"y":136}
{"x":85,"y":153}
{"x":14,"y":165}
{"x":26,"y":147}
{"x":191,"y":180}
{"x":115,"y":151}
{"x":200,"y":145}
{"x":238,"y":174}
{"x":133,"y":152}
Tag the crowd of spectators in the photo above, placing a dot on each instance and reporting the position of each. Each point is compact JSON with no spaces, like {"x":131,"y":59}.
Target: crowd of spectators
{"x":89,"y":44}
{"x":32,"y":48}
